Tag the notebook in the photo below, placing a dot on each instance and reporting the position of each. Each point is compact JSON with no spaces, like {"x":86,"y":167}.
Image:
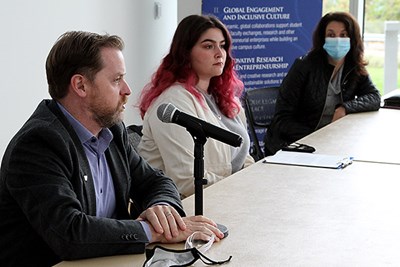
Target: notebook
{"x":309,"y":160}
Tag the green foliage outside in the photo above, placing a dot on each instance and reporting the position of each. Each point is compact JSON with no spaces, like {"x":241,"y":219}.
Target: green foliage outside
{"x":376,"y":12}
{"x":376,"y":74}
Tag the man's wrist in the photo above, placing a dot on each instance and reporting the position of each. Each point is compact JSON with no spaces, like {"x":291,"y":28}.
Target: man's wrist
{"x":147,"y":230}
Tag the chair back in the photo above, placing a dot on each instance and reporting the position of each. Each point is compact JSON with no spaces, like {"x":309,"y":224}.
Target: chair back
{"x":135,"y":134}
{"x":259,"y":106}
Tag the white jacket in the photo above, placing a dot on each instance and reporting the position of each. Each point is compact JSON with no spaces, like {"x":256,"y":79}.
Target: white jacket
{"x":170,"y":147}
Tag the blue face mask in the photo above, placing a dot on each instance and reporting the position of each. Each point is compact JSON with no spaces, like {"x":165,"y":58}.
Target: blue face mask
{"x":337,"y":47}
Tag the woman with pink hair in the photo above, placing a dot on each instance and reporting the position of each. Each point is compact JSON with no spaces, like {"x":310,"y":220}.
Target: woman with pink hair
{"x":197,"y":76}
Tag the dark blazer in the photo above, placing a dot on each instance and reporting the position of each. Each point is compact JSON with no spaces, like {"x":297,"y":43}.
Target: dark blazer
{"x":47,"y":197}
{"x":302,"y":96}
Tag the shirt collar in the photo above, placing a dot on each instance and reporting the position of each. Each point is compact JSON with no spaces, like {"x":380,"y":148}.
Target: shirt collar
{"x":85,"y":136}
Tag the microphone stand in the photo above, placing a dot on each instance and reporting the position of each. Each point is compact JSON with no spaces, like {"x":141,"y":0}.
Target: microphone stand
{"x":200,"y":138}
{"x":199,"y":180}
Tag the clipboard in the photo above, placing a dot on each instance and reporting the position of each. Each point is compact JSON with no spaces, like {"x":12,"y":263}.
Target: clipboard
{"x":309,"y":160}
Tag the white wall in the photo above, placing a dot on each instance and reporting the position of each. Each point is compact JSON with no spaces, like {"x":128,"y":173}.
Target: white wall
{"x":188,"y":7}
{"x":149,"y":40}
{"x":30,"y":28}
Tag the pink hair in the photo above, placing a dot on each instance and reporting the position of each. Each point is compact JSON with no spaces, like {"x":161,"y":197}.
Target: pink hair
{"x":175,"y":67}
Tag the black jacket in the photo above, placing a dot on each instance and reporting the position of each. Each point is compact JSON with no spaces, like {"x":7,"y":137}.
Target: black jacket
{"x":302,"y":97}
{"x":48,"y":207}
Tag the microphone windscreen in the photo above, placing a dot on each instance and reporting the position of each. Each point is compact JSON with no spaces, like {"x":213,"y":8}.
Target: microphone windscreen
{"x":165,"y":112}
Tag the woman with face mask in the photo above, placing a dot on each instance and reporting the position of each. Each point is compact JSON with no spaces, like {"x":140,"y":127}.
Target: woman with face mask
{"x":323,"y":85}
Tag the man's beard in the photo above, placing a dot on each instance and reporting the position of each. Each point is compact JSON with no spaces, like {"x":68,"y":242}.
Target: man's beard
{"x":107,"y":117}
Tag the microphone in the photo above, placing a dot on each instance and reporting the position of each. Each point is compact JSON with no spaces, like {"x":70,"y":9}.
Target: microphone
{"x":169,"y":113}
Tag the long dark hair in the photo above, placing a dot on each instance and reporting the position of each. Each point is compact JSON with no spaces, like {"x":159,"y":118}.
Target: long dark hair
{"x":176,"y":67}
{"x":356,"y":54}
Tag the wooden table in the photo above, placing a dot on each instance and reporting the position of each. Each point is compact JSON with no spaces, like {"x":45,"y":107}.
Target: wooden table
{"x":286,"y":215}
{"x":368,"y":136}
{"x":280,"y":215}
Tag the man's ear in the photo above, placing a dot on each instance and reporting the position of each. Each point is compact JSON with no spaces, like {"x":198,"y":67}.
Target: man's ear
{"x":78,"y":85}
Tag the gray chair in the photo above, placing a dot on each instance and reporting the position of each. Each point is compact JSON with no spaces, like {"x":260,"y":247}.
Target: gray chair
{"x":135,"y":134}
{"x":259,"y":105}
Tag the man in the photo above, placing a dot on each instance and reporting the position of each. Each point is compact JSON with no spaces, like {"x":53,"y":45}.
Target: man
{"x":68,"y":175}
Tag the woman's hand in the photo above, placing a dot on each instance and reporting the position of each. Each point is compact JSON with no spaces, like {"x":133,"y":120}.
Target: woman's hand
{"x":340,"y":112}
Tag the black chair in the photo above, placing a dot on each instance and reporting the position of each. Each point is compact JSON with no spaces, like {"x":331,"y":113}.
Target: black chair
{"x":135,"y":134}
{"x":259,"y":106}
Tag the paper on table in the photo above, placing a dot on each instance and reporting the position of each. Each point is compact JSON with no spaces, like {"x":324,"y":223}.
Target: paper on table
{"x":309,"y":159}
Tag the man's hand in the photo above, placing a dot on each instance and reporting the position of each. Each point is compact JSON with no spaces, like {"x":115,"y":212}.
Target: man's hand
{"x":163,"y":220}
{"x":193,"y":224}
{"x":167,"y":226}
